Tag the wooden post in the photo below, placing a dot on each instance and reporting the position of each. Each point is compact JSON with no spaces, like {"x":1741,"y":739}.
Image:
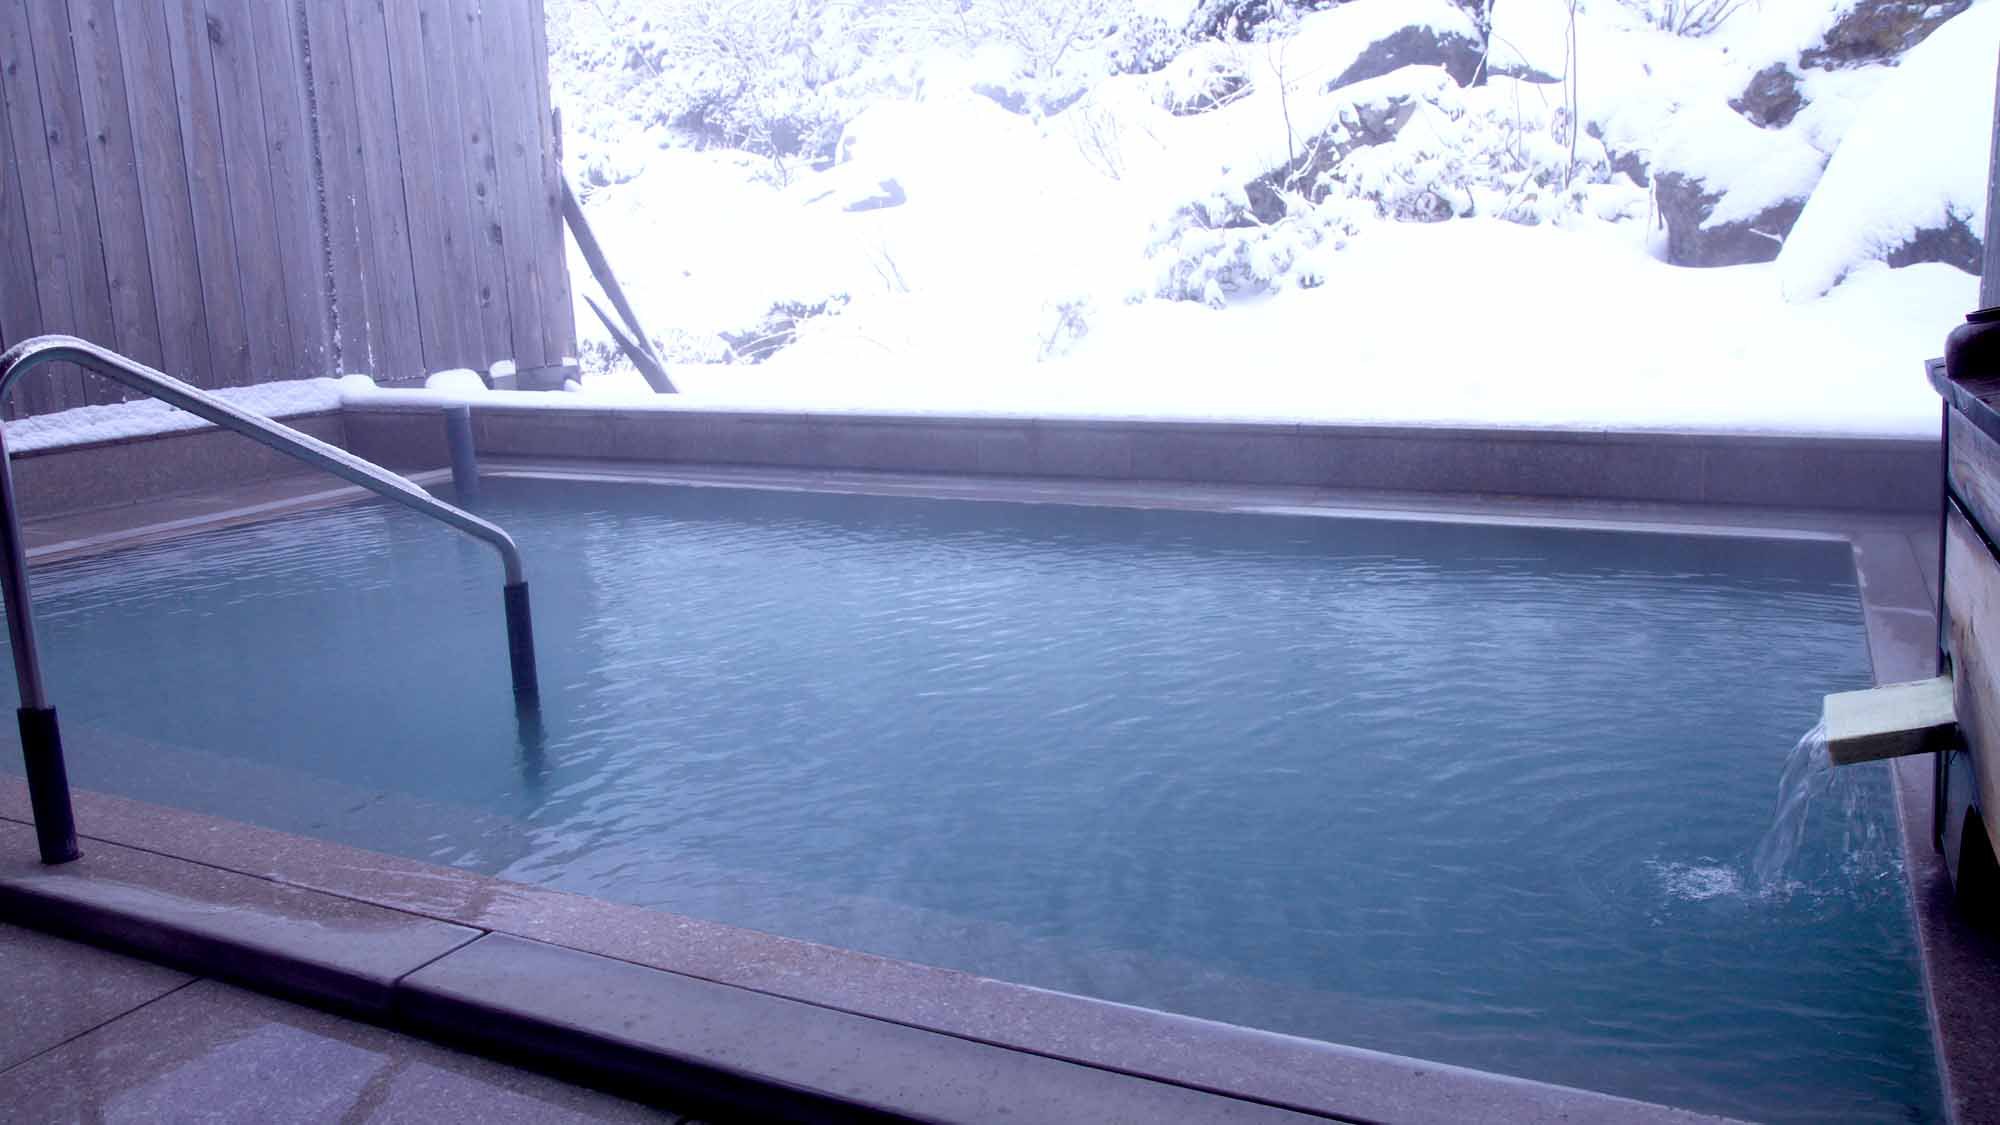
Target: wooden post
{"x":1989,"y":268}
{"x":600,"y":266}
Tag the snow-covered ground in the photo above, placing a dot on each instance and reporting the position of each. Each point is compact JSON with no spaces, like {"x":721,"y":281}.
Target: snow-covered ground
{"x":1097,"y":252}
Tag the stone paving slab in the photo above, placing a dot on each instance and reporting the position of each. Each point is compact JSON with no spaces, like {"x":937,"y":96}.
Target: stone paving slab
{"x":212,"y":1053}
{"x":56,"y":990}
{"x":222,"y":923}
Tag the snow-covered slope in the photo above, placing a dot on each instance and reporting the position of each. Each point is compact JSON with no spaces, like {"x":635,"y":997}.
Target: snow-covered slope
{"x":1311,"y":217}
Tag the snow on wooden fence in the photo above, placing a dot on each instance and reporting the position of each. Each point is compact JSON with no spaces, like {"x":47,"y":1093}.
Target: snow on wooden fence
{"x":237,"y":191}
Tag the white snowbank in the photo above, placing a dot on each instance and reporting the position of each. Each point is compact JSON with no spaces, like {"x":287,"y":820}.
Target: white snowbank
{"x":458,"y":380}
{"x":118,"y":420}
{"x":1475,"y":321}
{"x":1530,"y":36}
{"x":1752,"y":169}
{"x":1914,"y":159}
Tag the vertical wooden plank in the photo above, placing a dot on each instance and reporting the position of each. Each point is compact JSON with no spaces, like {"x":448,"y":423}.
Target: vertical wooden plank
{"x":275,"y":47}
{"x":24,"y":149}
{"x":230,"y":44}
{"x":482,"y":169}
{"x":438,"y":330}
{"x":558,"y":313}
{"x":210,"y":205}
{"x":164,"y":200}
{"x":62,"y":102}
{"x":114,"y":177}
{"x":398,"y":345}
{"x":20,"y":304}
{"x":456,"y":224}
{"x":516,"y":143}
{"x":348,"y":226}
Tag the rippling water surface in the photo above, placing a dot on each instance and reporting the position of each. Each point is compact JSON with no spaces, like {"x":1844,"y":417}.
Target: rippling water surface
{"x":1483,"y":795}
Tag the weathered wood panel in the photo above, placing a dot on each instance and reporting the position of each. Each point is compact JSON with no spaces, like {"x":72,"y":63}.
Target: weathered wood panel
{"x":1975,"y":469}
{"x":212,"y":208}
{"x":1972,"y":598}
{"x":398,"y":344}
{"x":114,"y":179}
{"x":163,"y":196}
{"x":515,"y":141}
{"x":420,"y":176}
{"x":57,"y":82}
{"x":225,"y":37}
{"x":439,"y":70}
{"x":275,"y":44}
{"x":482,"y":167}
{"x":561,"y":340}
{"x":347,"y":227}
{"x":20,"y":303}
{"x":33,"y":187}
{"x":239,"y":190}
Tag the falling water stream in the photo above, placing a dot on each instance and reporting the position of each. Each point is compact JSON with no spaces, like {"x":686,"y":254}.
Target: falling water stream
{"x":1813,"y":791}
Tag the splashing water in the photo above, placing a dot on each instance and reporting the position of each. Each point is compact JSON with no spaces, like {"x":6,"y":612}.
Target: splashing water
{"x":1808,"y":773}
{"x":1812,"y":782}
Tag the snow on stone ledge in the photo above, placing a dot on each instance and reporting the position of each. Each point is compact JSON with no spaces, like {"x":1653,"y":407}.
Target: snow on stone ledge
{"x":1914,"y":160}
{"x":110,"y":422}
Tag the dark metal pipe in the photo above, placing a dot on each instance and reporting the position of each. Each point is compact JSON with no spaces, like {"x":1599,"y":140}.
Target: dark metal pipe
{"x":464,"y":457}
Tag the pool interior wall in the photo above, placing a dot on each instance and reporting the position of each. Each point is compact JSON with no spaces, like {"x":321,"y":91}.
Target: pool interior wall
{"x":1656,"y":892}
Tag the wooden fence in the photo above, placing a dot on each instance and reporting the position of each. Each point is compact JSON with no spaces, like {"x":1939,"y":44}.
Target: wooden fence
{"x":238,"y":191}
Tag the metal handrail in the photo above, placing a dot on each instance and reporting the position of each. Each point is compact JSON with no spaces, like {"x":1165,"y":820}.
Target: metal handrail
{"x":40,"y":740}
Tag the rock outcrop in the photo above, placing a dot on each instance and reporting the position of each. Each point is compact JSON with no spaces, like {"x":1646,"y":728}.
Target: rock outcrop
{"x":1876,"y":31}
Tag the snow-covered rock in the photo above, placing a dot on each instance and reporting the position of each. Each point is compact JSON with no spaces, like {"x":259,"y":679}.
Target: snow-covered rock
{"x":1871,"y":31}
{"x":1772,"y":98}
{"x":1730,"y":192}
{"x":1385,"y":36}
{"x":1908,"y":183}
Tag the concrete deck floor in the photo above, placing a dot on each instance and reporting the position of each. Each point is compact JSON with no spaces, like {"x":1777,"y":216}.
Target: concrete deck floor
{"x":87,"y":1035}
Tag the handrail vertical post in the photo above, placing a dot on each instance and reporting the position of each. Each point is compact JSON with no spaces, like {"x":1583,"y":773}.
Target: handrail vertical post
{"x":41,"y":737}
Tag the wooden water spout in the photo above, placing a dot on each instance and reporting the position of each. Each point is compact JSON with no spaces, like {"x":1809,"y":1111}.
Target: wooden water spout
{"x":1891,"y":721}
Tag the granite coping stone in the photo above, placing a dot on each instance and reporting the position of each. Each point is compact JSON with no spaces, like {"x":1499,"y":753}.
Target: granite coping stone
{"x":213,"y":922}
{"x":1853,"y":472}
{"x":713,"y":1046}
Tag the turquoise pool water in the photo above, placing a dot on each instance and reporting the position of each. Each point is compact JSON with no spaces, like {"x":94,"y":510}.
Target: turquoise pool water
{"x":1482,"y":795}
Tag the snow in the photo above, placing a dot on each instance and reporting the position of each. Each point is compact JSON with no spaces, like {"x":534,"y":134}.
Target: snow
{"x":114,"y":421}
{"x":458,"y":380}
{"x":1476,"y":322}
{"x":1752,"y":169}
{"x":1530,"y":36}
{"x":1914,"y":159}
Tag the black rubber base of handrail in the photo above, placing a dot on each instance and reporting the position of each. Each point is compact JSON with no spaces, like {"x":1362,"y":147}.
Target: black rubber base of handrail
{"x":48,"y":784}
{"x":521,"y":641}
